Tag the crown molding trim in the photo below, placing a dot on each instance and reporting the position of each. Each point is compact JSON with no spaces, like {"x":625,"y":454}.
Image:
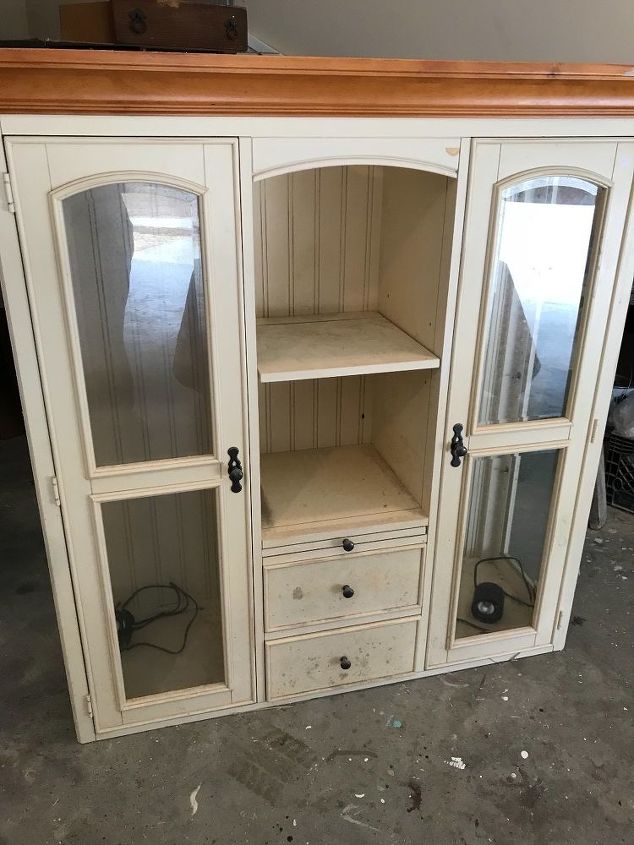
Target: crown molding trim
{"x":36,"y":80}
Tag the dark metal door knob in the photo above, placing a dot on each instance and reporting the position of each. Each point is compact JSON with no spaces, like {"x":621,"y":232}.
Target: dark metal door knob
{"x":234,"y":469}
{"x":457,"y":448}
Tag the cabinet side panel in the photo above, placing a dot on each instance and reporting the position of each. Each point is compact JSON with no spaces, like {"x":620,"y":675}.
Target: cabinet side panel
{"x":411,"y":261}
{"x":400,"y":419}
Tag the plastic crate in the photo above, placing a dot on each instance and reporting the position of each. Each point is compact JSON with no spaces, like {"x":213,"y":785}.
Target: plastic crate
{"x":619,"y":471}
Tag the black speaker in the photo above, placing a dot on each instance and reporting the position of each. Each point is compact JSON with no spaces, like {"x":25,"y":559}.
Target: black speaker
{"x":488,"y":602}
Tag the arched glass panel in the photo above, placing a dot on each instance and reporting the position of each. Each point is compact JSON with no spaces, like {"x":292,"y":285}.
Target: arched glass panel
{"x":136,"y":272}
{"x":540,"y":278}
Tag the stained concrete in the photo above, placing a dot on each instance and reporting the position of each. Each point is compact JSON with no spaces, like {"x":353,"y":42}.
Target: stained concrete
{"x":367,"y":767}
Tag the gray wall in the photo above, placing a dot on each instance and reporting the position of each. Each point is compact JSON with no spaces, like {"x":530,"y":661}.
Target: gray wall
{"x":43,"y":17}
{"x":13,"y":20}
{"x":522,"y":30}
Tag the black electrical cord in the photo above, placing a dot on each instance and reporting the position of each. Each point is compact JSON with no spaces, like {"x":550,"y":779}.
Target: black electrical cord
{"x":184,"y":601}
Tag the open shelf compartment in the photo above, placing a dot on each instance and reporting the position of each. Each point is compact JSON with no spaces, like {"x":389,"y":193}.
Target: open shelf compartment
{"x":330,"y":345}
{"x":320,"y":493}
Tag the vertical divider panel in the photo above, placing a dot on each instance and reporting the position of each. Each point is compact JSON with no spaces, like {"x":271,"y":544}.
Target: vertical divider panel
{"x":253,"y":262}
{"x":450,"y":264}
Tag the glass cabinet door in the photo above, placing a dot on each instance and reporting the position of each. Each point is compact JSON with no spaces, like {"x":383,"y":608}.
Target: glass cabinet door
{"x":535,"y":292}
{"x":141,"y":354}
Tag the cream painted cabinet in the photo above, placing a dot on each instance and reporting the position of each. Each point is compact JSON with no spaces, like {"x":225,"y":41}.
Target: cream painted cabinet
{"x":322,"y":409}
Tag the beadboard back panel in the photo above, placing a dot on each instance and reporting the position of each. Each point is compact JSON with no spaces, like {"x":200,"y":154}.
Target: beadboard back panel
{"x":317,"y":239}
{"x":159,"y":540}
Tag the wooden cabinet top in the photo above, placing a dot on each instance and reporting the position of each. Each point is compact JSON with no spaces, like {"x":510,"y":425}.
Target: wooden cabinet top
{"x":110,"y":82}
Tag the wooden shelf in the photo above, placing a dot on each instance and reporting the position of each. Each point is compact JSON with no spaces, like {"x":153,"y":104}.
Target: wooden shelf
{"x":318,"y":494}
{"x":329,"y":345}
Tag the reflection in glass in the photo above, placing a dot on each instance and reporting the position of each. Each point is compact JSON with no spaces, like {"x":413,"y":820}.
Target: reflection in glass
{"x":135,"y":262}
{"x":152,"y":543}
{"x":507,"y":521}
{"x":540,"y":277}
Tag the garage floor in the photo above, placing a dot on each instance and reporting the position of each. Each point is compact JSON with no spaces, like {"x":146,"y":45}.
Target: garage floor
{"x":537,"y":751}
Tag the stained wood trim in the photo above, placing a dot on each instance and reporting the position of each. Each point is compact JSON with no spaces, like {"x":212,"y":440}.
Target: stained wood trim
{"x":110,"y":82}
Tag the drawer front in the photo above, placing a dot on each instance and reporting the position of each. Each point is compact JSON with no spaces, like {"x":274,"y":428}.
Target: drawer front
{"x":343,"y":587}
{"x":272,"y":547}
{"x":317,"y":662}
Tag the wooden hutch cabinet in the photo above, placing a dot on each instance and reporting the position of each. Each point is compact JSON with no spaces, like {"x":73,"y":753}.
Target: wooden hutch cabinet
{"x":315,"y":356}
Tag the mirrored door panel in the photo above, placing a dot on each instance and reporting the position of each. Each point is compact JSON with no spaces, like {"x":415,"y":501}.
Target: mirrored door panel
{"x":139,"y":296}
{"x":539,"y":280}
{"x":507,"y":521}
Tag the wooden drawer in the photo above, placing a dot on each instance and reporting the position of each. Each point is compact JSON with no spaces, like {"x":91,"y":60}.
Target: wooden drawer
{"x":361,"y":540}
{"x":315,"y":662}
{"x":311,"y":591}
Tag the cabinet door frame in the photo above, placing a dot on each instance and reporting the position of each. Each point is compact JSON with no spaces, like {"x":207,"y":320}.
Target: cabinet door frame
{"x":218,"y":164}
{"x":16,"y":299}
{"x":495,"y":164}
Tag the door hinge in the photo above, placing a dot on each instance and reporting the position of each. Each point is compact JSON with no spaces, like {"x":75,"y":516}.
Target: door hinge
{"x":595,"y":425}
{"x":89,"y":705}
{"x":560,"y":620}
{"x":8,"y":190}
{"x":55,"y":492}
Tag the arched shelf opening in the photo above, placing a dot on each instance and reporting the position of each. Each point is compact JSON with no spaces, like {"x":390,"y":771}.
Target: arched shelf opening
{"x":351,"y":277}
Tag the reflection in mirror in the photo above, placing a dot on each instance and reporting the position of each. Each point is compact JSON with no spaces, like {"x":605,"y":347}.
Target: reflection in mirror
{"x":135,"y":263}
{"x":540,"y":279}
{"x":165,"y":576}
{"x":507,"y":522}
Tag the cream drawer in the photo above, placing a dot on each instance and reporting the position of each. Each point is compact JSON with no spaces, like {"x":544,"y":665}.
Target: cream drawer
{"x":361,"y":540}
{"x":342,"y":587}
{"x":318,"y":661}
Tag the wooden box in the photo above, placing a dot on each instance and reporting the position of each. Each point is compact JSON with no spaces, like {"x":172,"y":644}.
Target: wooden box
{"x":185,"y":24}
{"x":87,"y":22}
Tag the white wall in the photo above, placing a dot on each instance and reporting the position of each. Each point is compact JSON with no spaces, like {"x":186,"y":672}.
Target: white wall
{"x":521,"y":30}
{"x":13,"y":20}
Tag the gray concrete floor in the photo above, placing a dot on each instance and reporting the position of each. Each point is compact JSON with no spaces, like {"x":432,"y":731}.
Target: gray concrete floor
{"x":334,"y":770}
